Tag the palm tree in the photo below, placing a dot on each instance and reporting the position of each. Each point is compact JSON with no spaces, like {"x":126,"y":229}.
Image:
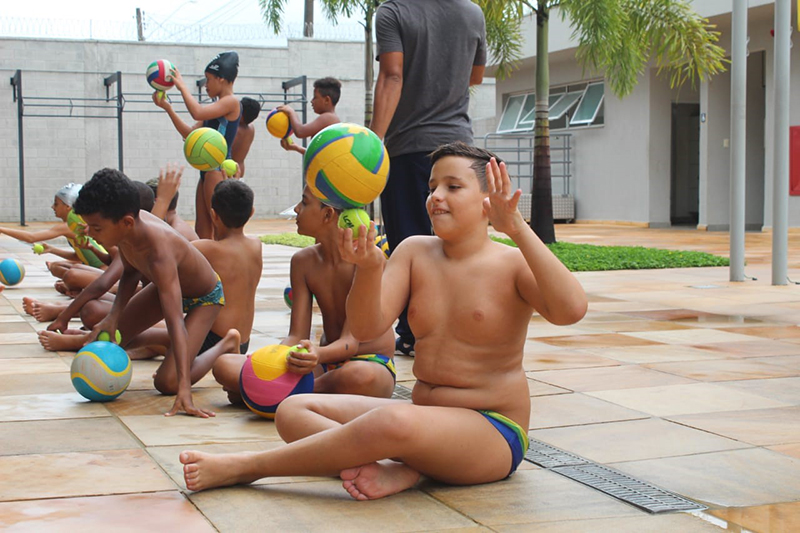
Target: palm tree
{"x":617,"y":37}
{"x":272,"y":11}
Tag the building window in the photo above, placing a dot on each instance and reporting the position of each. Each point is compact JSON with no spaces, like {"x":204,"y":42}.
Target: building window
{"x":571,"y":106}
{"x":589,"y":108}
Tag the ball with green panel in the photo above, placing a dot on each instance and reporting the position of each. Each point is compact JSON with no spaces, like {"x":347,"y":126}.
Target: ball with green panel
{"x":346,"y":166}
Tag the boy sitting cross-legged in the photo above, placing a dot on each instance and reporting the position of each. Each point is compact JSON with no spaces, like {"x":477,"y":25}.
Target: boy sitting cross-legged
{"x":182,"y":282}
{"x":342,"y":364}
{"x":470,"y":301}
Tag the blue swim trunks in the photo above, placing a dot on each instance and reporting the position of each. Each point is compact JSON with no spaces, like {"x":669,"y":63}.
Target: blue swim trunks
{"x":387,"y":362}
{"x":513,"y":433}
{"x":215,"y":297}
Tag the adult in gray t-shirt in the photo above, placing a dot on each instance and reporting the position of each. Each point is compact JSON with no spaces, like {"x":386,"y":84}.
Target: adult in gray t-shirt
{"x":430,"y":52}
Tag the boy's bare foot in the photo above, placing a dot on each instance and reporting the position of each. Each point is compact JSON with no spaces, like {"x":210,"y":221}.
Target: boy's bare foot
{"x":46,"y":312}
{"x":142,"y":352}
{"x":27,"y":301}
{"x":234,"y":397}
{"x":61,"y":287}
{"x":56,"y":342}
{"x":378,"y":480}
{"x":205,"y":471}
{"x":231,"y":341}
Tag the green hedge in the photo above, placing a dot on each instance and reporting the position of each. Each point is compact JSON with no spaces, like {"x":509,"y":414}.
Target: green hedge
{"x":580,"y":257}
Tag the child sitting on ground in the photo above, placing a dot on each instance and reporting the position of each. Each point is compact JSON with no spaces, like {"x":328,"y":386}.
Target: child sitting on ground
{"x":342,"y":364}
{"x":181,"y":282}
{"x":470,"y":303}
{"x":80,"y":254}
{"x":326,"y":95}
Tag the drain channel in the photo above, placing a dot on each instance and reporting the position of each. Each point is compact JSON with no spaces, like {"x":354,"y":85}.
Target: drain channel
{"x":621,"y":486}
{"x":401,"y":392}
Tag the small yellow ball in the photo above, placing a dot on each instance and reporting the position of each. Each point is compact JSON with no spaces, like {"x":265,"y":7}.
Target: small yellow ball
{"x":230,"y":167}
{"x":354,"y":219}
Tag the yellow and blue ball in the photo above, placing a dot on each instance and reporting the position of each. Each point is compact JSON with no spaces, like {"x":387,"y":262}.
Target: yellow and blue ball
{"x":160,"y":74}
{"x":265,"y":380}
{"x":278,"y":124}
{"x":11,"y":271}
{"x":383,"y":243}
{"x":101,"y":371}
{"x":205,"y":149}
{"x":346,"y":166}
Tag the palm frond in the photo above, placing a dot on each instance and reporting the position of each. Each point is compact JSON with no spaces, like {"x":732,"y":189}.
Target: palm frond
{"x":272,"y":13}
{"x":503,"y":32}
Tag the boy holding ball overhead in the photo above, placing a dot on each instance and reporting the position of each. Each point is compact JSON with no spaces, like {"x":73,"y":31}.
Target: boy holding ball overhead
{"x":221,"y":115}
{"x":341,"y":363}
{"x":470,"y":301}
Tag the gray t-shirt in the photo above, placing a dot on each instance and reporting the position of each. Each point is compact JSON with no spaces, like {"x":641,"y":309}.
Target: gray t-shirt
{"x":441,"y":40}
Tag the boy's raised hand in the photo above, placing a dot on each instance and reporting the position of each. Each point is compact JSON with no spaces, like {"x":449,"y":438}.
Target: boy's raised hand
{"x":362,"y":251}
{"x":169,"y":181}
{"x":501,"y":204}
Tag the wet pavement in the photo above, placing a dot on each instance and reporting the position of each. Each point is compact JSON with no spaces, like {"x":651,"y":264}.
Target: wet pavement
{"x":675,"y":377}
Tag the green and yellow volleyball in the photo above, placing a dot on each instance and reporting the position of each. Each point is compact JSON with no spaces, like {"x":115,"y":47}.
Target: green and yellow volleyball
{"x":101,"y":371}
{"x":346,"y":166}
{"x":205,"y":149}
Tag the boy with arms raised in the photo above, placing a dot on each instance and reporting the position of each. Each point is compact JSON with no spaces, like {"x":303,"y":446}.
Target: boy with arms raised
{"x":470,"y":302}
{"x":182,"y":281}
{"x":326,"y":95}
{"x":343,"y":365}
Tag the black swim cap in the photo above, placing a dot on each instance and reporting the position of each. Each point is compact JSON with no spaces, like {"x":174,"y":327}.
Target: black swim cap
{"x":225,"y":66}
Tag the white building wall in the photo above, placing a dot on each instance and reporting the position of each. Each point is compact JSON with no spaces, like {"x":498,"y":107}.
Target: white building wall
{"x":60,"y":150}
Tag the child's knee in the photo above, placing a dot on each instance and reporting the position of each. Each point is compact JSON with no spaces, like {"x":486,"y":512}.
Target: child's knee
{"x":165,"y":382}
{"x":227,"y":368}
{"x":71,"y":278}
{"x":91,"y":314}
{"x":397,"y":422}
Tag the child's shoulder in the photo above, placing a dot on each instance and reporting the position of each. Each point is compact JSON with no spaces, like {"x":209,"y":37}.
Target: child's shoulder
{"x":306,"y":256}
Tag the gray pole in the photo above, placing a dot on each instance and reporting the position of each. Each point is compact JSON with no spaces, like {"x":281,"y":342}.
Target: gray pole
{"x":780,"y":188}
{"x":738,"y":136}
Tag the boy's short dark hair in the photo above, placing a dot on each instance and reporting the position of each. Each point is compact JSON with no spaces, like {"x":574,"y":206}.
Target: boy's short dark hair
{"x":233,"y":202}
{"x":250,"y":109}
{"x":479,"y":157}
{"x":329,"y":87}
{"x":153,"y":184}
{"x":109,"y":193}
{"x":147,"y":197}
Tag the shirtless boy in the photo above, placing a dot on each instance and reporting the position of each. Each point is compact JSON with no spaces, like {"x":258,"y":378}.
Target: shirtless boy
{"x":343,"y":365}
{"x":470,"y":302}
{"x":237,"y":259}
{"x":182,"y":282}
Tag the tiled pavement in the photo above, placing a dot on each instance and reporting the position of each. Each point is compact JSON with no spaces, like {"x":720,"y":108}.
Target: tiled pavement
{"x":676,"y":377}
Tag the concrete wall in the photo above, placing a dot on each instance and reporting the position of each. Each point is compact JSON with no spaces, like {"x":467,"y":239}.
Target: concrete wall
{"x":59,"y":150}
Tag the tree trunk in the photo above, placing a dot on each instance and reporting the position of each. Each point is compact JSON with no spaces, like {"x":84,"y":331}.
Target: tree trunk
{"x":542,"y":201}
{"x":308,"y":19}
{"x":369,"y":63}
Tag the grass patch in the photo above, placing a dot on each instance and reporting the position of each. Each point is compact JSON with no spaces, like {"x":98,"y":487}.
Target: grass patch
{"x":288,"y":239}
{"x":590,"y":257}
{"x":580,"y":257}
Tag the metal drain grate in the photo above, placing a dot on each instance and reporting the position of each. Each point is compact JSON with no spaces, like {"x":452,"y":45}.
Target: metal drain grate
{"x":548,"y":456}
{"x":607,"y":480}
{"x":401,"y":393}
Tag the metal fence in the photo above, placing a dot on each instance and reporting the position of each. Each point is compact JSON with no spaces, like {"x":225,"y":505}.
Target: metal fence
{"x":516,"y":149}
